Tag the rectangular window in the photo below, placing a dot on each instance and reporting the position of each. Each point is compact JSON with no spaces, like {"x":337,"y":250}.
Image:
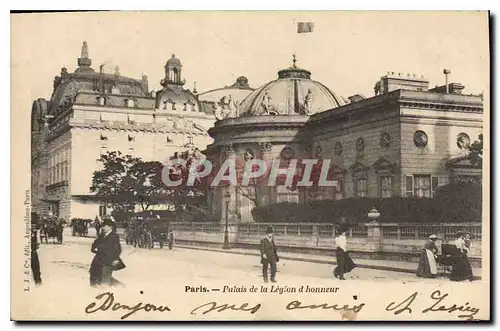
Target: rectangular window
{"x":434,"y":184}
{"x":102,"y":211}
{"x":409,"y":186}
{"x":422,"y":186}
{"x":385,"y":186}
{"x":284,"y":194}
{"x":339,"y":190}
{"x":361,"y":187}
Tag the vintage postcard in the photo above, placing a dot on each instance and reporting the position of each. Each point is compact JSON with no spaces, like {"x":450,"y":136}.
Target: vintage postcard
{"x":250,"y":166}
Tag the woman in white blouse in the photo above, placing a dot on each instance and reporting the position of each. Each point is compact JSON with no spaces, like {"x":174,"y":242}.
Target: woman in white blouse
{"x":344,"y":261}
{"x":461,"y":269}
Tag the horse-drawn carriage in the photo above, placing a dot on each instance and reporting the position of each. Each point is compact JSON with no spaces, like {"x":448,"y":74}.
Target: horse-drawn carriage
{"x":52,"y":229}
{"x":145,"y":233}
{"x":80,"y":227}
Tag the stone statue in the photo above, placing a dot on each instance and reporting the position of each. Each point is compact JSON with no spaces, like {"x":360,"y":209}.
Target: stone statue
{"x":233,"y":107}
{"x":377,"y":88}
{"x":64,"y":71}
{"x":218,"y":112}
{"x":308,"y":102}
{"x":57,"y":81}
{"x":266,"y":104}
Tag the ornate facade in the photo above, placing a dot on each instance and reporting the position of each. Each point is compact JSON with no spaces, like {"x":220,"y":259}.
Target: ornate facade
{"x":92,"y":112}
{"x":407,"y":140}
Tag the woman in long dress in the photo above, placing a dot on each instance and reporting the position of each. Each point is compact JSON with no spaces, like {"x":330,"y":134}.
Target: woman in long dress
{"x":427,"y":267}
{"x":461,"y":268}
{"x":344,"y":261}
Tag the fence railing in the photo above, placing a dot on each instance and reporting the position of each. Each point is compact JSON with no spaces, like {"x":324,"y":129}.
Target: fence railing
{"x":403,"y":231}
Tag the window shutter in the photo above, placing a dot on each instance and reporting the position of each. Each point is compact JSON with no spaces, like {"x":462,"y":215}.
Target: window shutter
{"x":434,"y":184}
{"x":409,"y":186}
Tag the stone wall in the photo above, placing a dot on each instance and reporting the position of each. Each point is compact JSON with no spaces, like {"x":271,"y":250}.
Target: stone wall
{"x":371,"y":240}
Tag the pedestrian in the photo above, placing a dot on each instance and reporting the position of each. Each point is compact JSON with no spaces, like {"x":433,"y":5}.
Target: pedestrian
{"x":97,"y":226}
{"x":171,"y":240}
{"x":427,"y":267}
{"x":268,"y":255}
{"x":344,"y":261}
{"x":461,"y":268}
{"x":107,"y":252}
{"x":35,"y":262}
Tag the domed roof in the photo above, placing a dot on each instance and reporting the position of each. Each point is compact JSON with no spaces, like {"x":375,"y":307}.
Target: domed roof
{"x":176,"y":98}
{"x":293,"y":93}
{"x":173,"y":62}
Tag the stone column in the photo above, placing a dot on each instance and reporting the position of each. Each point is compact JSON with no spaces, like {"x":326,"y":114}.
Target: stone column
{"x":267,"y":192}
{"x":375,"y":237}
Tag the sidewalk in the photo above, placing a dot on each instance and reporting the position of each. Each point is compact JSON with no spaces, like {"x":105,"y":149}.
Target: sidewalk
{"x":396,"y":266}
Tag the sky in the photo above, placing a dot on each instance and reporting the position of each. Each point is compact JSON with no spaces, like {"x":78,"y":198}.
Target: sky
{"x":347,"y":51}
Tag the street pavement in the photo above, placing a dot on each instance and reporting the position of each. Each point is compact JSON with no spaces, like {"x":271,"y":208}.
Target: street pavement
{"x":72,"y":259}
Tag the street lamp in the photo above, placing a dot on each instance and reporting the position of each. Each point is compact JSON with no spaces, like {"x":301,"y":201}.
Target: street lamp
{"x":227,"y":197}
{"x":373,"y":214}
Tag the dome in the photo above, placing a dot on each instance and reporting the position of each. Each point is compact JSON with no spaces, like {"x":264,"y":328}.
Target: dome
{"x":293,"y":93}
{"x":176,"y":98}
{"x":173,"y":62}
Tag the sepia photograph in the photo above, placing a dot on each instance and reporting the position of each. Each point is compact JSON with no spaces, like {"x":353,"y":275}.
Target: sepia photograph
{"x":250,"y":166}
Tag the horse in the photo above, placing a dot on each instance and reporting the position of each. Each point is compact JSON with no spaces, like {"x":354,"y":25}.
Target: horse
{"x":53,"y":231}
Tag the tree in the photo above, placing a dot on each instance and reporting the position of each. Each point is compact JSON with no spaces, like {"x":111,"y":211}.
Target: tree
{"x":125,"y":181}
{"x":182,"y":197}
{"x":476,"y":151}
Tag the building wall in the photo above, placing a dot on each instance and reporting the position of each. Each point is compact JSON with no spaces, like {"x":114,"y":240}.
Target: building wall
{"x":442,"y":129}
{"x":369,"y":127}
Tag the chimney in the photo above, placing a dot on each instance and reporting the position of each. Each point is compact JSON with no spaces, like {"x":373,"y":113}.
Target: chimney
{"x":446,"y":72}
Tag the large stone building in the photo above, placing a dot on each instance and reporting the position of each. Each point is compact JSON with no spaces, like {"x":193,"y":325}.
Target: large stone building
{"x":407,"y":140}
{"x":92,"y":112}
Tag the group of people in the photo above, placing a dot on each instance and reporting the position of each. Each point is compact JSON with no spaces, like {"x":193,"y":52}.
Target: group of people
{"x":269,"y":255}
{"x":457,"y":258}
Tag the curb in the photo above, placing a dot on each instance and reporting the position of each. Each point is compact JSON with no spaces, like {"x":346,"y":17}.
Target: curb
{"x":312,"y":260}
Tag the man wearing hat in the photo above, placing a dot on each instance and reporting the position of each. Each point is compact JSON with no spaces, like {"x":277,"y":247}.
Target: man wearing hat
{"x":427,"y":267}
{"x":107,"y":252}
{"x":268,"y":255}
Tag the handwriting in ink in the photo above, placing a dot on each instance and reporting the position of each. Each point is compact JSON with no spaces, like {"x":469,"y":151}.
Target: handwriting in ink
{"x":403,"y":305}
{"x":106,"y":301}
{"x":298,"y":305}
{"x":438,"y":298}
{"x":212,"y":306}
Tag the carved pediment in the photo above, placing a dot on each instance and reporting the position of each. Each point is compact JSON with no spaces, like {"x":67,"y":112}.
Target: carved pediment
{"x":358,"y":167}
{"x":462,"y":162}
{"x":382,"y":164}
{"x":337,"y":169}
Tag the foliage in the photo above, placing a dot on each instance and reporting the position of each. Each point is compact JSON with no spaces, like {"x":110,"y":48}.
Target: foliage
{"x":125,"y":181}
{"x":460,"y":202}
{"x":456,"y":202}
{"x":186,"y":198}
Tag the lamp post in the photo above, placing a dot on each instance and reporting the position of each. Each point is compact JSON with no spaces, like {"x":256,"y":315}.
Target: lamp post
{"x":227,"y":197}
{"x":373,"y":214}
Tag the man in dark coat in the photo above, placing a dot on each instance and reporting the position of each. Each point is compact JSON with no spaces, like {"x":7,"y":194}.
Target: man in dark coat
{"x":107,"y":252}
{"x":269,"y":255}
{"x":35,"y":262}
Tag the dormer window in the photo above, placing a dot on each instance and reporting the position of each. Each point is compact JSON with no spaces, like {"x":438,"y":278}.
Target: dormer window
{"x":131,"y":138}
